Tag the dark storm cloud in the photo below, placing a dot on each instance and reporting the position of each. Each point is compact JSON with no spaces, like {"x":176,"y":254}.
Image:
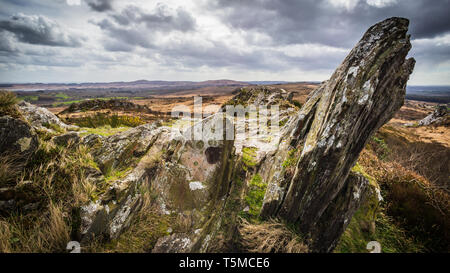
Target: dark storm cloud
{"x":128,"y":36}
{"x":100,"y":5}
{"x":160,"y":19}
{"x":431,"y":52}
{"x":291,"y":21}
{"x":190,"y":54}
{"x":134,"y":27}
{"x":39,"y":30}
{"x":218,"y":54}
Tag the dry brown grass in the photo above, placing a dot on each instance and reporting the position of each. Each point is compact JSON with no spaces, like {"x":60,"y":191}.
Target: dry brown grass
{"x":270,"y":237}
{"x":10,"y":169}
{"x":48,"y":233}
{"x":55,"y":181}
{"x":414,"y":180}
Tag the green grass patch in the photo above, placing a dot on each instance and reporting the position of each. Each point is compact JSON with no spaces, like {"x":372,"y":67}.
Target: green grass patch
{"x":291,"y":159}
{"x":102,"y":119}
{"x":116,"y":174}
{"x":380,"y":147}
{"x":249,"y":157}
{"x":60,"y":103}
{"x":55,"y":127}
{"x":255,"y":196}
{"x":103,"y":131}
{"x":297,"y":103}
{"x":29,"y":98}
{"x":392,"y":238}
{"x":62,"y":96}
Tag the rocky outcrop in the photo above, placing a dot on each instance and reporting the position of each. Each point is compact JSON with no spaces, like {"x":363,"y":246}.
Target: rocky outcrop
{"x":121,"y":150}
{"x":185,"y":176}
{"x":439,"y":117}
{"x":205,"y":180}
{"x":334,"y":125}
{"x":42,"y":119}
{"x":304,"y":167}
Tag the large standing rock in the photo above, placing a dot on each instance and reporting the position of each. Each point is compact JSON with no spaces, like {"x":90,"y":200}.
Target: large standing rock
{"x":335,"y":124}
{"x":17,"y":138}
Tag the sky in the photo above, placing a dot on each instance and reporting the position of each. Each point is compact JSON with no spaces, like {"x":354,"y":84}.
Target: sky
{"x":195,"y":40}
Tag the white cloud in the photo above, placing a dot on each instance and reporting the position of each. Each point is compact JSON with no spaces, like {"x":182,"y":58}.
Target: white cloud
{"x":73,"y":2}
{"x":262,"y":41}
{"x":346,"y":4}
{"x":381,"y":3}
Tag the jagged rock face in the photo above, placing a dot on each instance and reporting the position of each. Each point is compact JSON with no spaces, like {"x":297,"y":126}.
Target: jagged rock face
{"x":336,"y":122}
{"x":17,"y":138}
{"x":438,"y":117}
{"x":122,"y":149}
{"x":187,"y":180}
{"x":41,"y":118}
{"x":263,"y":138}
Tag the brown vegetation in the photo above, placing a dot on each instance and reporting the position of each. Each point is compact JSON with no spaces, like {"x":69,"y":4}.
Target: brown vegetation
{"x":270,"y":237}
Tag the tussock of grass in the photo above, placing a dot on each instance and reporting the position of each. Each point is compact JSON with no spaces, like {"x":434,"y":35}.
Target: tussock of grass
{"x":47,"y":233}
{"x":10,"y":169}
{"x":270,"y":237}
{"x":8,"y":101}
{"x":55,"y":180}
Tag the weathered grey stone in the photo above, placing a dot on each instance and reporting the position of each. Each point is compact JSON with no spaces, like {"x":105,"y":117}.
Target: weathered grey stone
{"x":68,"y":139}
{"x":41,"y":118}
{"x":336,"y":122}
{"x":121,"y":149}
{"x":169,"y":165}
{"x":438,"y":117}
{"x":338,"y":214}
{"x":175,"y":243}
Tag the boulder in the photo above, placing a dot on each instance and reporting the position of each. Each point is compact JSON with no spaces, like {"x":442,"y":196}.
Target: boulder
{"x":42,"y":118}
{"x":438,"y":117}
{"x":68,"y":139}
{"x":17,"y":138}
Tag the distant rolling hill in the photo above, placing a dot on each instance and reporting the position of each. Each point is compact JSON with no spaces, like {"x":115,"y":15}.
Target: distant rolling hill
{"x":134,"y":85}
{"x":437,"y":94}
